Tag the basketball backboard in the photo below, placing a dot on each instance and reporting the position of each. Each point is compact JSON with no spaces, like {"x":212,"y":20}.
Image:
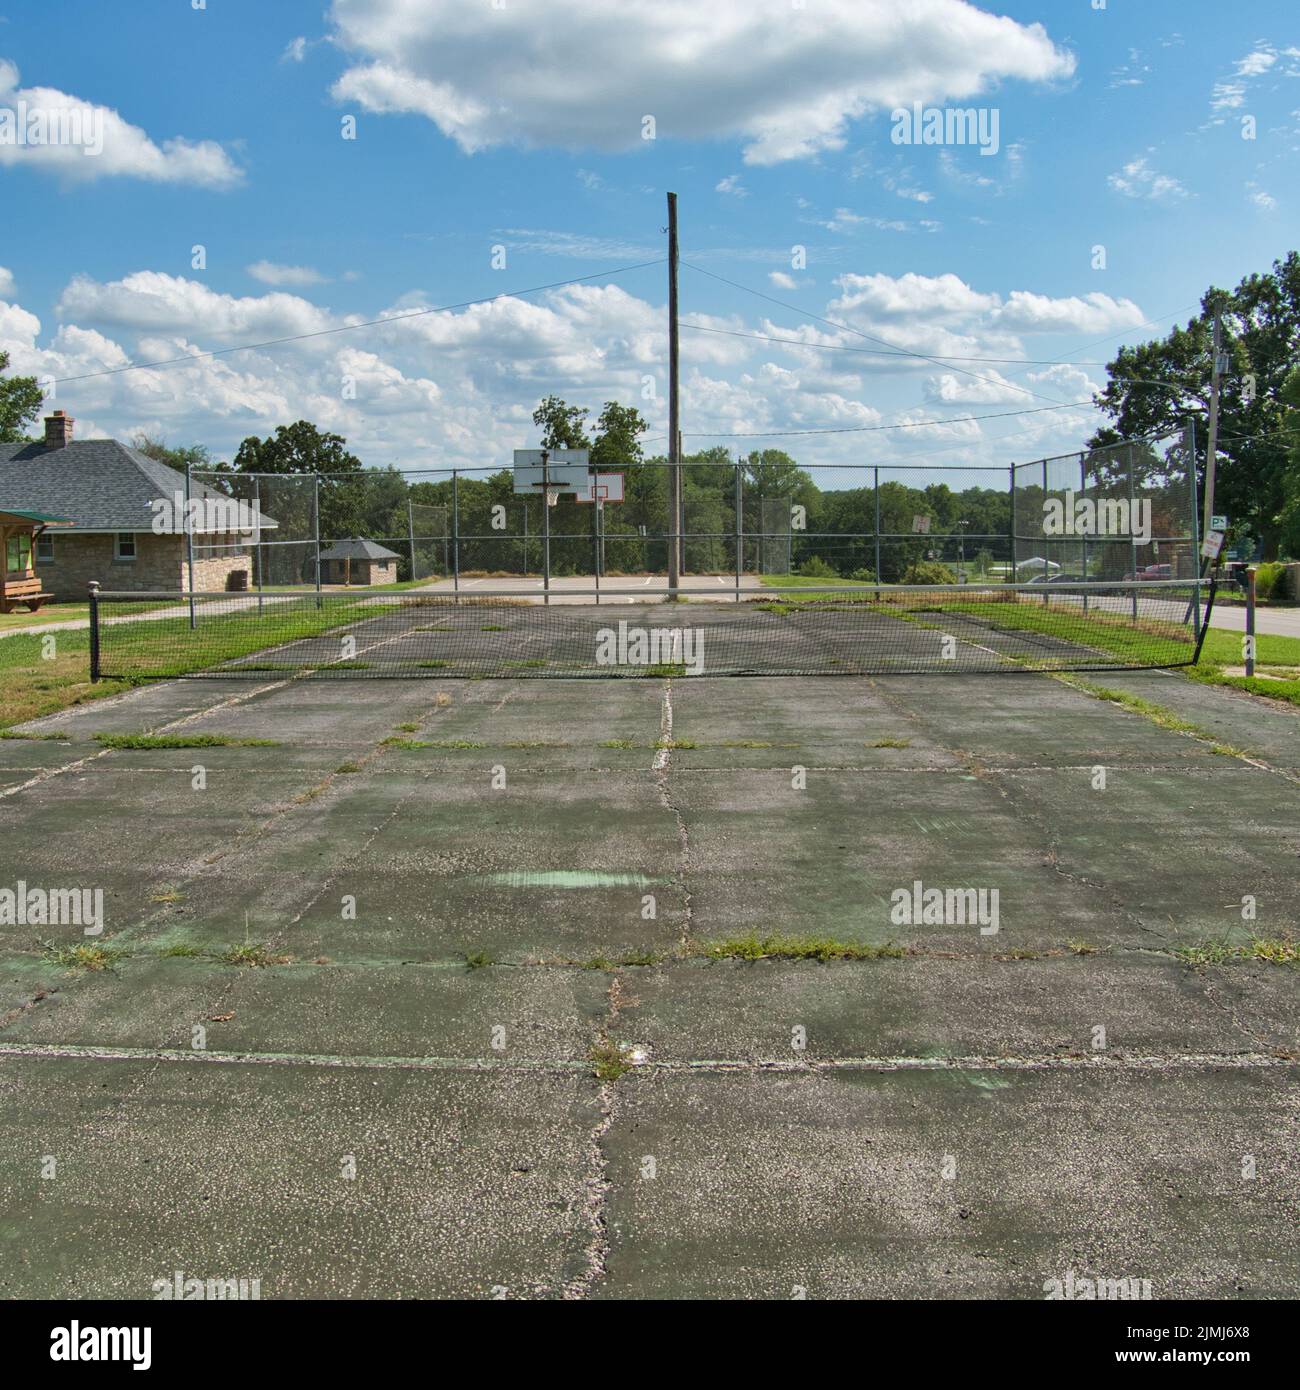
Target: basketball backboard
{"x":602,"y":487}
{"x":566,"y":469}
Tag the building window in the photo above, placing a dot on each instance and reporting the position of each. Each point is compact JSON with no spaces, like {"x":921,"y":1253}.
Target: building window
{"x":18,"y":553}
{"x":125,"y":545}
{"x":44,"y":550}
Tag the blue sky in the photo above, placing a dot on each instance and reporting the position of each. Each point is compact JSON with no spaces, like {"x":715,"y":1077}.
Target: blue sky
{"x":517,"y":124}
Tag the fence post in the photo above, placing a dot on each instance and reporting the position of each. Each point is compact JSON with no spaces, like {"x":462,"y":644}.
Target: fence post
{"x":316,"y":522}
{"x":93,"y":588}
{"x":740,"y":527}
{"x":455,"y":531}
{"x":410,"y":535}
{"x":261,"y":553}
{"x":189,"y":544}
{"x":879,"y":577}
{"x":1250,"y":621}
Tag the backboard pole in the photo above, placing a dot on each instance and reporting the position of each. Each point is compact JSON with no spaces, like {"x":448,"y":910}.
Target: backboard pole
{"x":674,"y":437}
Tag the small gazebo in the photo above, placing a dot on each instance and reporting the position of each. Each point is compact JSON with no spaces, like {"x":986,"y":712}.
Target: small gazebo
{"x":358,"y":561}
{"x":20,"y":586}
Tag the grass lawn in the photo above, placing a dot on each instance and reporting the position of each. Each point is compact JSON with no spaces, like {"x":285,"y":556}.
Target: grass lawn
{"x":33,"y":684}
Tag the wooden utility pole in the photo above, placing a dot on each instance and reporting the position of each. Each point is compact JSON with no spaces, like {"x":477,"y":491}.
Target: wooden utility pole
{"x":1212,"y":443}
{"x":674,"y":433}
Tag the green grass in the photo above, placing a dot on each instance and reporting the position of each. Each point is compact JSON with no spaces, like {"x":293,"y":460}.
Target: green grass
{"x":83,"y":957}
{"x":478,"y":960}
{"x":432,"y":743}
{"x":1277,"y":950}
{"x":254,"y":955}
{"x":182,"y":741}
{"x":804,"y":581}
{"x":798,"y":948}
{"x":892,"y":743}
{"x":608,"y":1060}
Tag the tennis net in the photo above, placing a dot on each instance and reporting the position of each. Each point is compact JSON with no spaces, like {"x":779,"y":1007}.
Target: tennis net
{"x":860,"y":630}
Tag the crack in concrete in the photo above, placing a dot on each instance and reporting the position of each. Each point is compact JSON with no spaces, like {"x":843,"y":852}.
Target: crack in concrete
{"x":1050,"y":1061}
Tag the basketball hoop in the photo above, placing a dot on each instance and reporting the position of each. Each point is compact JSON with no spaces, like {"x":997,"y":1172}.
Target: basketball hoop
{"x":553,"y":496}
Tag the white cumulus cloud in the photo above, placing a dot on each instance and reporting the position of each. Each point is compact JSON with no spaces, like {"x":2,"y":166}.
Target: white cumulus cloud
{"x":786,"y":81}
{"x":43,"y":128}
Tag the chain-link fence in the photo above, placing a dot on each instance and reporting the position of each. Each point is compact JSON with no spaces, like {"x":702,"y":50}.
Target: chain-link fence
{"x":1122,"y":512}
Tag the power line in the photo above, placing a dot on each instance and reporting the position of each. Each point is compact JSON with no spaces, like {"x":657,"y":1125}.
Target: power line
{"x":871,"y":338}
{"x":349,"y":327}
{"x":876,"y":429}
{"x":882,"y":352}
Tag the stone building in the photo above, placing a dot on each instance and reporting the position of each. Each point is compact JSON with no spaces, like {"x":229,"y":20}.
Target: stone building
{"x":129,"y":517}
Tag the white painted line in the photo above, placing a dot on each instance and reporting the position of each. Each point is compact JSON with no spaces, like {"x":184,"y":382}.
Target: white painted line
{"x":664,"y":755}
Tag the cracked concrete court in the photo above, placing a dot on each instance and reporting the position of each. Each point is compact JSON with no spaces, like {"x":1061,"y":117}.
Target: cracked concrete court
{"x":950,"y":1128}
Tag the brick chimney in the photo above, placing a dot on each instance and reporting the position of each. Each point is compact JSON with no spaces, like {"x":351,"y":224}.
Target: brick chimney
{"x":58,"y":430}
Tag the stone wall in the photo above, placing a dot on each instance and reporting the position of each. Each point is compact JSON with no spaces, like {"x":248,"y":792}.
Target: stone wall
{"x":159,"y":564}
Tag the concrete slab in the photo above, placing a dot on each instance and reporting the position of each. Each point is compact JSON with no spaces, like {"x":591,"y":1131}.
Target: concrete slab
{"x":765,"y":1185}
{"x":464,"y":1183}
{"x":495,"y":1015}
{"x":730,"y":1010}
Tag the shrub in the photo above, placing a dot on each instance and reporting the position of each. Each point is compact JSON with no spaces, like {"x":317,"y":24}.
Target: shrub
{"x":928,"y":572}
{"x":814,"y":567}
{"x":863,"y":576}
{"x":1267,"y":577}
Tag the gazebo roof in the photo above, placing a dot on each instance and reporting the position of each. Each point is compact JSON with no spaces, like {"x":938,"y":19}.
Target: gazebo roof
{"x":355,"y":548}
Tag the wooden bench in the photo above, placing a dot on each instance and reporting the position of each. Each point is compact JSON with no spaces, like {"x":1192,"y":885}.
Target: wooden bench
{"x":22,"y":593}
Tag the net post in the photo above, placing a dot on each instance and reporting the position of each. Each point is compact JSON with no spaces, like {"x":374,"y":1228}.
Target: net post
{"x":1250,"y":621}
{"x":93,"y":595}
{"x":189,"y":542}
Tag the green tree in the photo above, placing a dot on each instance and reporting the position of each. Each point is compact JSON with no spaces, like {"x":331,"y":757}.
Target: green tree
{"x":562,"y":425}
{"x":1155,"y":386}
{"x":1290,"y":543}
{"x":296,"y":448}
{"x":197,"y":456}
{"x":618,"y":439}
{"x":20,"y":403}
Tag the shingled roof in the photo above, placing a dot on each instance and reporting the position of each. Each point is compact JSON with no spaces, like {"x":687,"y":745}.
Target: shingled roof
{"x":356,"y":549}
{"x":98,"y":484}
